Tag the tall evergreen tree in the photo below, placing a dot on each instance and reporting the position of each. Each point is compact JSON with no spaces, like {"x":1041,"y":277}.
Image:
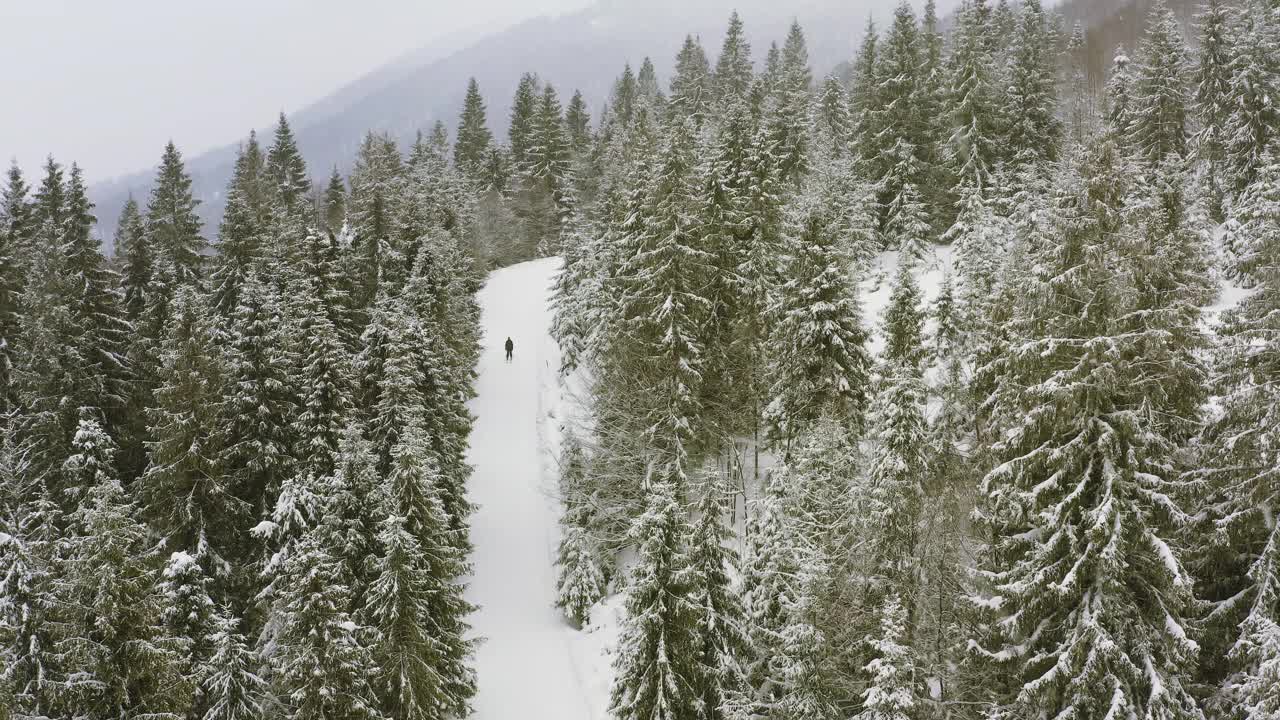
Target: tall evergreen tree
{"x":232,"y":688}
{"x":1031,"y":114}
{"x":524,"y":112}
{"x":173,"y":226}
{"x":658,"y":674}
{"x":1159,"y":124}
{"x":474,"y":139}
{"x":733,"y":71}
{"x":1252,"y":123}
{"x":184,"y":491}
{"x":241,"y":234}
{"x":1212,"y":89}
{"x":818,"y":362}
{"x":285,"y":172}
{"x":691,"y":83}
{"x":1093,"y":598}
{"x":123,"y":661}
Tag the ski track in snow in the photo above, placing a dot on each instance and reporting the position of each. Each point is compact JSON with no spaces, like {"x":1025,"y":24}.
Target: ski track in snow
{"x":530,"y":662}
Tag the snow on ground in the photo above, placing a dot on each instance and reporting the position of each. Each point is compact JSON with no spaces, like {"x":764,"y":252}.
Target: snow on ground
{"x":531,"y":663}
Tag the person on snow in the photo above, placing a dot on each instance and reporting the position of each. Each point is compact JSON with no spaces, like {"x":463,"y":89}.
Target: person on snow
{"x":510,"y":347}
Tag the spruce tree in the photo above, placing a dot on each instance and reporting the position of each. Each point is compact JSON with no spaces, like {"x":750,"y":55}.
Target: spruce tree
{"x":474,"y":139}
{"x":891,"y":692}
{"x":173,"y":227}
{"x":285,"y":172}
{"x":1236,"y":546}
{"x":818,"y":358}
{"x":232,"y":688}
{"x":334,"y":210}
{"x":415,"y":498}
{"x":1160,"y":92}
{"x":524,"y":112}
{"x":723,"y":640}
{"x":658,"y":674}
{"x":1252,"y":123}
{"x":375,"y":180}
{"x":13,"y":251}
{"x":241,"y":235}
{"x":582,"y":579}
{"x":133,"y":245}
{"x":1092,"y":605}
{"x":691,"y":83}
{"x":577,"y":121}
{"x":1033,"y":129}
{"x":121,"y":658}
{"x":257,"y":402}
{"x":185,"y":492}
{"x":320,"y":667}
{"x":971,"y":146}
{"x":733,"y":72}
{"x":1212,"y":79}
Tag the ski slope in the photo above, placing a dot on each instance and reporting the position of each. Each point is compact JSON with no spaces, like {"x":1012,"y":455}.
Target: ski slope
{"x":530,"y":664}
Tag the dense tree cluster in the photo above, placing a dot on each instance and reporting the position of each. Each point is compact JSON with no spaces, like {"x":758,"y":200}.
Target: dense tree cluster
{"x":232,"y":477}
{"x":1050,"y":492}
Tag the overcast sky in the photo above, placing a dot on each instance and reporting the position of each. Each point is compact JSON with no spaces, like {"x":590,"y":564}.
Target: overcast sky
{"x":106,"y":82}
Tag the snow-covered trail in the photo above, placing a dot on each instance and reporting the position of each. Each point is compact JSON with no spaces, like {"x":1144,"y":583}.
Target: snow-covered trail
{"x":526,"y":663}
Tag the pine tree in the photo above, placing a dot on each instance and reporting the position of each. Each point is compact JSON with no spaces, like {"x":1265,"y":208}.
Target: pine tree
{"x":285,"y":172}
{"x":733,"y":72}
{"x":409,"y":655}
{"x":1160,"y":93}
{"x":375,"y":182}
{"x":524,"y":111}
{"x":1212,"y":89}
{"x":132,"y":243}
{"x":123,"y":662}
{"x":14,"y":213}
{"x":474,"y":139}
{"x":862,"y":100}
{"x":582,"y":580}
{"x":898,"y":469}
{"x":1236,"y":546}
{"x":241,"y":235}
{"x":971,"y":146}
{"x":664,"y":305}
{"x":63,"y":357}
{"x":691,"y":84}
{"x":1034,"y":131}
{"x":891,"y":692}
{"x":658,"y":676}
{"x":1086,"y":596}
{"x":723,"y":640}
{"x":232,"y":688}
{"x":257,"y":402}
{"x":1119,"y":97}
{"x":323,"y":382}
{"x":1251,"y":125}
{"x":415,"y":497}
{"x":577,"y":121}
{"x":185,"y":492}
{"x":780,"y":578}
{"x":320,"y":668}
{"x":189,"y":615}
{"x":819,"y":362}
{"x":33,"y":551}
{"x":334,"y":210}
{"x":173,"y":226}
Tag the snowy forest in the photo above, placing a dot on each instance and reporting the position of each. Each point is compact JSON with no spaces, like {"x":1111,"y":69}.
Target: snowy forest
{"x":1040,"y":480}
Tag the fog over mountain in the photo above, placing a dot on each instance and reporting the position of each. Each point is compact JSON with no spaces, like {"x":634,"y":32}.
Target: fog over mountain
{"x":584,"y":50}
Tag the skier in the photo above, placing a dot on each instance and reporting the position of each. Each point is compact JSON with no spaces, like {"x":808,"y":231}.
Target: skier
{"x":510,"y":346}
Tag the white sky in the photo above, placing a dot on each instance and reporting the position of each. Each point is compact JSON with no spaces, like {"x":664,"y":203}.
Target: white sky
{"x":106,"y":82}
